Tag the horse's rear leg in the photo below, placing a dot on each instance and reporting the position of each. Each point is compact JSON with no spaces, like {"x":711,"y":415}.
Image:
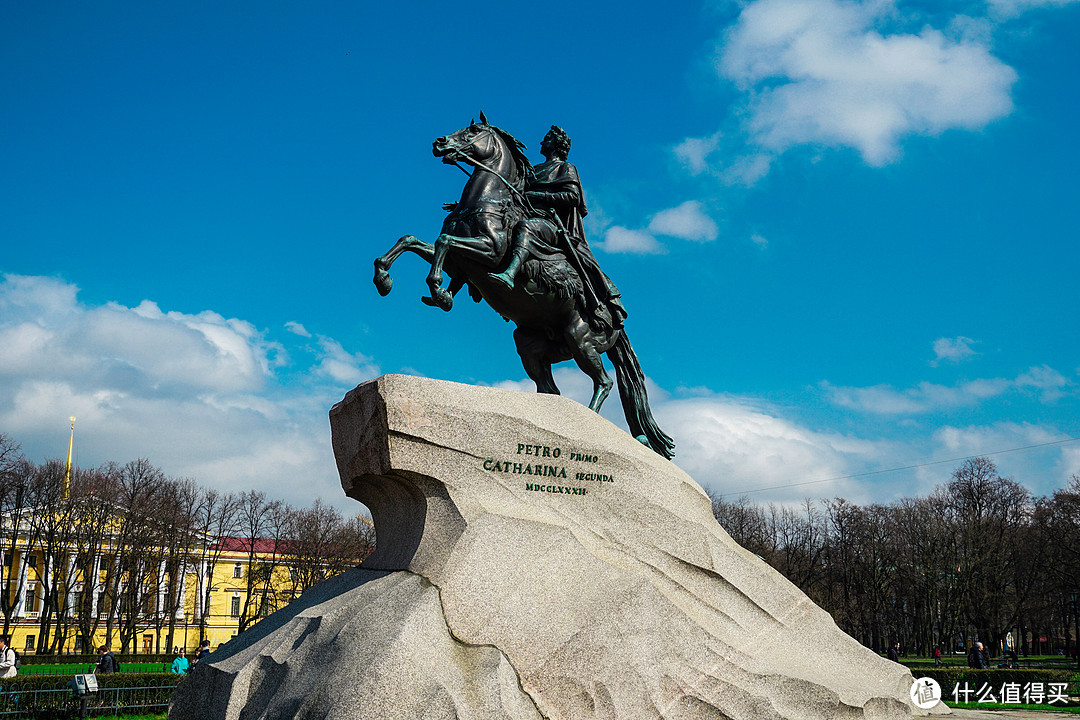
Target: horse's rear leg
{"x":407,"y":243}
{"x":535,"y":358}
{"x":586,"y":350}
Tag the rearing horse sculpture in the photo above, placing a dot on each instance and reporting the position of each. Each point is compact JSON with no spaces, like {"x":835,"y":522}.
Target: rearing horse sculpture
{"x":546,"y":302}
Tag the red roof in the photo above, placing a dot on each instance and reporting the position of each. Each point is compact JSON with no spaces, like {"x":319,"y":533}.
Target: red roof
{"x":265,"y":546}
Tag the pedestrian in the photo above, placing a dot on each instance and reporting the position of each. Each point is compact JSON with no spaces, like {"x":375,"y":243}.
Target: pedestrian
{"x":937,"y":655}
{"x":978,"y":657}
{"x":203,"y":651}
{"x":106,"y":661}
{"x":179,"y":664}
{"x":894,"y":652}
{"x":7,"y":658}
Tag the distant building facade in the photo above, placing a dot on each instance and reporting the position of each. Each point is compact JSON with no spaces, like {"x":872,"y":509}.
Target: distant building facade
{"x":147,"y":600}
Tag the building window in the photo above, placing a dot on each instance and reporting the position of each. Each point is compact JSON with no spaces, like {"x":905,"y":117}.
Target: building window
{"x":238,"y":570}
{"x":235,"y":609}
{"x":293,"y":575}
{"x":31,"y":600}
{"x":31,"y":640}
{"x":31,"y":561}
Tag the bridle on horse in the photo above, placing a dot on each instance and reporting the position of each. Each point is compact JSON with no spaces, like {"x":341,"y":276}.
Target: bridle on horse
{"x":481,"y":166}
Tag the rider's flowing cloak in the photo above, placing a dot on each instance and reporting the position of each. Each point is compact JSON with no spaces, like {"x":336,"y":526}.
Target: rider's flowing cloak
{"x":555,"y":185}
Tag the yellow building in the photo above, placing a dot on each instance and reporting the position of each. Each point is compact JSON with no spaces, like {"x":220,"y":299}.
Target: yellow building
{"x":227,"y":584}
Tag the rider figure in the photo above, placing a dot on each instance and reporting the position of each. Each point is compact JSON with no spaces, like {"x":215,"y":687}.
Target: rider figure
{"x":554,"y":190}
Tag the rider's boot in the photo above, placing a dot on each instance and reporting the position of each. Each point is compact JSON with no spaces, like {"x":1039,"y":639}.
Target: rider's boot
{"x":506,"y":277}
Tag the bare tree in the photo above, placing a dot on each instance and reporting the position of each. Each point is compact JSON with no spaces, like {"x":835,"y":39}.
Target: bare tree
{"x":217,"y":518}
{"x":12,"y":497}
{"x":177,"y":533}
{"x":989,"y":512}
{"x":57,"y":531}
{"x":263,"y":525}
{"x":135,"y":553}
{"x":22,"y":524}
{"x":95,"y":493}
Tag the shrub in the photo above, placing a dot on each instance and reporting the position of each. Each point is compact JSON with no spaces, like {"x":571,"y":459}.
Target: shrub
{"x":92,"y":658}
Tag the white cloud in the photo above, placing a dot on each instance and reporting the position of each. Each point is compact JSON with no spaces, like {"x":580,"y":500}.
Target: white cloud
{"x":1069,"y":464}
{"x":36,"y":297}
{"x":928,"y":397}
{"x":952,"y":350}
{"x":731,"y":447}
{"x":694,"y":153}
{"x":1050,"y":384}
{"x":831,"y":73}
{"x":975,"y":439}
{"x":686,"y":222}
{"x":759,"y":240}
{"x":297,"y":329}
{"x":342,"y":366}
{"x":924,"y":397}
{"x":619,"y":239}
{"x":45,"y":331}
{"x":198,"y":394}
{"x":879,"y":399}
{"x":1042,"y":468}
{"x":1006,"y":9}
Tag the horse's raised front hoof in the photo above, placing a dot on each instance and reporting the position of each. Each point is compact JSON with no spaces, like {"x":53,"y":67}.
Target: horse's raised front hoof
{"x":439,"y":298}
{"x":383,"y":282}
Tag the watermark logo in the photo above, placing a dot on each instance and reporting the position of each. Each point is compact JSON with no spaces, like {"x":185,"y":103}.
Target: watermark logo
{"x":925,"y":693}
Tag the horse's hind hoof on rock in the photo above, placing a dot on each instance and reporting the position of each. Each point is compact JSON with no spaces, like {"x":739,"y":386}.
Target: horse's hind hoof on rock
{"x":383,"y":282}
{"x":440,"y":299}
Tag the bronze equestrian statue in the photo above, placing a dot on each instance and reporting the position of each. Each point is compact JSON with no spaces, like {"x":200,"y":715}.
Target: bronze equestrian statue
{"x":516,"y":240}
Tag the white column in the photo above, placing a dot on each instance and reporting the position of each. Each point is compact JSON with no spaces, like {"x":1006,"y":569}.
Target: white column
{"x":20,"y":600}
{"x":181,"y":604}
{"x":114,"y":611}
{"x":70,"y":584}
{"x":90,"y":585}
{"x":204,"y":582}
{"x":161,"y":589}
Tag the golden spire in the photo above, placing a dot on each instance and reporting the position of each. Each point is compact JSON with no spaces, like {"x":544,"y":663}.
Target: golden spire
{"x":67,"y":470}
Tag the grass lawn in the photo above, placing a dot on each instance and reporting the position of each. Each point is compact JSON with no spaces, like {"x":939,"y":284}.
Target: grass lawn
{"x":82,"y":668}
{"x":1075,"y":709}
{"x":1054,"y":662}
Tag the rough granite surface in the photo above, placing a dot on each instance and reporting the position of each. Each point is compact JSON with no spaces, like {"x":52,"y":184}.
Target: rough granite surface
{"x":535,"y":561}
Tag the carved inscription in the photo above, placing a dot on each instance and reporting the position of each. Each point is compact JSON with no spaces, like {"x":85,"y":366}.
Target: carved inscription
{"x":558,"y":489}
{"x":544,"y":461}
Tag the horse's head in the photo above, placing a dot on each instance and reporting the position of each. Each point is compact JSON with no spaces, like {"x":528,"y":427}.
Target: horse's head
{"x":475,"y":143}
{"x":485,"y":147}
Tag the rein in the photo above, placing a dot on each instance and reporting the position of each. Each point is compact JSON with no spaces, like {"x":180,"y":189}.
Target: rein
{"x":481,"y":166}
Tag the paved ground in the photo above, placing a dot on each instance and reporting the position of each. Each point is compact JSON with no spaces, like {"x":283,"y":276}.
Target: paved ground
{"x":958,"y":714}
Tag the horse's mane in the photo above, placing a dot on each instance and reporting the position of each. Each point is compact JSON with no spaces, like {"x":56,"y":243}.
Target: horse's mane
{"x":517,"y":151}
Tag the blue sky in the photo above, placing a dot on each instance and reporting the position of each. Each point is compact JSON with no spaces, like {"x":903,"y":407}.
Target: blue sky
{"x":846,"y":232}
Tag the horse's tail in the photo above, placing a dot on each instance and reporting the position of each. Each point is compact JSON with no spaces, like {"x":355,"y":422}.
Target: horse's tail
{"x":635,"y":401}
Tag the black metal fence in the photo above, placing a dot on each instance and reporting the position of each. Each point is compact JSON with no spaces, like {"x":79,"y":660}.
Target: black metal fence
{"x":61,"y":702}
